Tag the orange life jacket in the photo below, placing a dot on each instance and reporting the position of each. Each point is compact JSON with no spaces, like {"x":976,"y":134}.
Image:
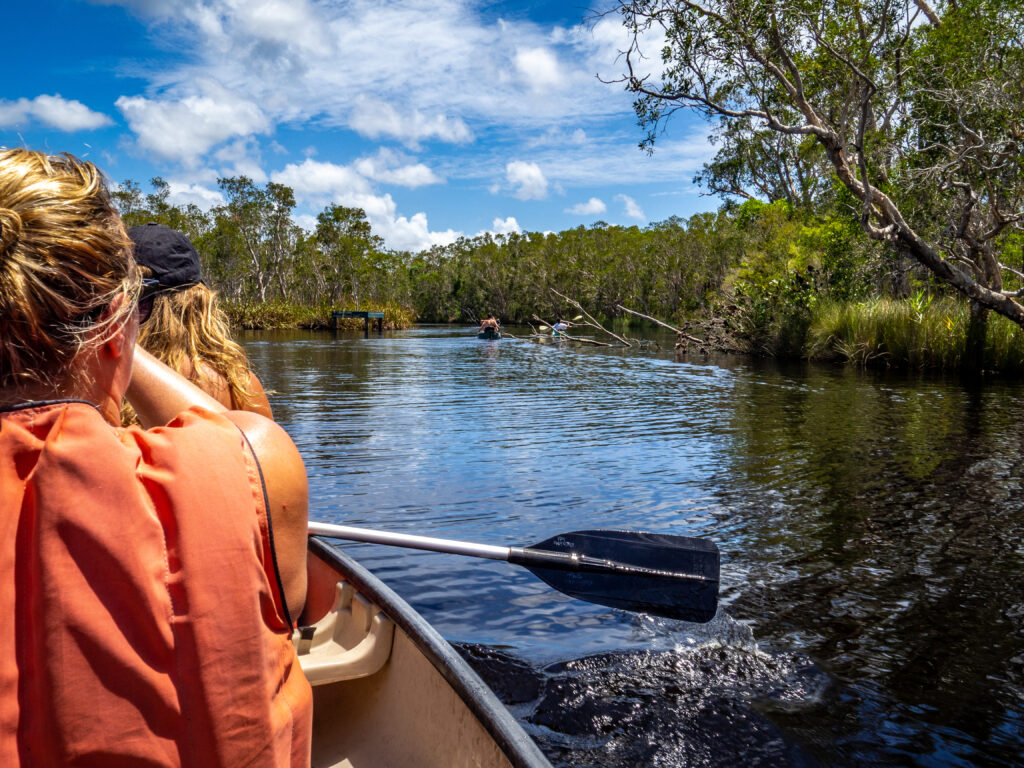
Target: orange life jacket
{"x":142,"y":621}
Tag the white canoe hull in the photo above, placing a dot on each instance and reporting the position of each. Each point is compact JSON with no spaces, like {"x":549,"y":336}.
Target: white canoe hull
{"x":388,"y":689}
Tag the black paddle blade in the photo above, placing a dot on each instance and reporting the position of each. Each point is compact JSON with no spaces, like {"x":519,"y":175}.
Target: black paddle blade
{"x":671,"y":576}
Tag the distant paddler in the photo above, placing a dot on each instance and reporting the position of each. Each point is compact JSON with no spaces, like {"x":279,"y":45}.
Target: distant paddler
{"x":489,"y":322}
{"x":489,"y":328}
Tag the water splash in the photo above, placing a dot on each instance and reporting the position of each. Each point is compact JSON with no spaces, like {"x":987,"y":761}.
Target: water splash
{"x":702,"y":702}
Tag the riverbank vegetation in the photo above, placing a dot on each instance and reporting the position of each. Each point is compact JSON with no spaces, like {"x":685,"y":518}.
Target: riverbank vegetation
{"x":910,"y":115}
{"x":870,"y":166}
{"x":763,"y":278}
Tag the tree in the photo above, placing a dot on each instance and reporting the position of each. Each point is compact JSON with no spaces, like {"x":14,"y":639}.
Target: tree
{"x":128,"y":199}
{"x":137,"y":209}
{"x":919,"y":112}
{"x":756,"y":163}
{"x":260,"y":221}
{"x":345,"y":245}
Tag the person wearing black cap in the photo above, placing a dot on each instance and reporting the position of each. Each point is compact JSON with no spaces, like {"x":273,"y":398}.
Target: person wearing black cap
{"x":182,"y":325}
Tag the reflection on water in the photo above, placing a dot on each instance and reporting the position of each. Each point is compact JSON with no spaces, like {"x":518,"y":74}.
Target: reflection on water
{"x":871,"y":528}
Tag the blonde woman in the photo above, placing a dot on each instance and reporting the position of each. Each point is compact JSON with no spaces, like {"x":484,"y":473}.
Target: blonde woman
{"x":148,"y":577}
{"x":185,"y":328}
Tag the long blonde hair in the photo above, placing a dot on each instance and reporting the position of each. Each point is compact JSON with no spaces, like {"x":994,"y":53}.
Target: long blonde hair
{"x":189,"y":332}
{"x":64,"y":258}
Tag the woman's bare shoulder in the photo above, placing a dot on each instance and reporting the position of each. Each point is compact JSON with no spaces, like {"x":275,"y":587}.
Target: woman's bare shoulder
{"x":258,"y":400}
{"x":210,"y":381}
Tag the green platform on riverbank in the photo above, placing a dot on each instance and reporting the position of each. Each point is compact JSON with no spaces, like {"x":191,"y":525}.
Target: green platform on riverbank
{"x":366,"y":317}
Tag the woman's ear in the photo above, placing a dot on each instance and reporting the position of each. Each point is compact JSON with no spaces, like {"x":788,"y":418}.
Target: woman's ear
{"x":120,"y":339}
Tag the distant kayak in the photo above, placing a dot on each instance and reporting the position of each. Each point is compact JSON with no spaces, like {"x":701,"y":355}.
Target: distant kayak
{"x":489,"y":333}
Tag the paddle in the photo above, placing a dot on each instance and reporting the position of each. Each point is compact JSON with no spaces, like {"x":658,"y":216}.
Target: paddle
{"x":671,"y":576}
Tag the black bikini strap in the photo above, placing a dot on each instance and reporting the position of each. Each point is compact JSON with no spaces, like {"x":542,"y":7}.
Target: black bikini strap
{"x":270,"y":530}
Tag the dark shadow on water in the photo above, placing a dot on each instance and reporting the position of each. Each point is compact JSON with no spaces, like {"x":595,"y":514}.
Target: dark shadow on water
{"x":691,"y":706}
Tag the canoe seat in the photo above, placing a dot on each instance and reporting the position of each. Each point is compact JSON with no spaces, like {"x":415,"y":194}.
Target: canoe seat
{"x":352,"y":640}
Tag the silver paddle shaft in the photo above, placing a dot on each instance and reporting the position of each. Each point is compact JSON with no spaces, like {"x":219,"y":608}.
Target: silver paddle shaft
{"x":408,"y":540}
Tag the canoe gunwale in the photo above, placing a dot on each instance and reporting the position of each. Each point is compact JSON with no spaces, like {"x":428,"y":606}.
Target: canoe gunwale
{"x":494,"y":716}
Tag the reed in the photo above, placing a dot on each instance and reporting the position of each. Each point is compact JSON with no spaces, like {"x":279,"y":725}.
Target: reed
{"x":915,"y":333}
{"x":283,"y":314}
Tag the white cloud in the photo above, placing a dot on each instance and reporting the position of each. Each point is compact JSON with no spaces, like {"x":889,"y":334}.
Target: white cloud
{"x":186,"y":128}
{"x":592,"y":207}
{"x":605,"y":160}
{"x":374,"y":118}
{"x":241,"y":158}
{"x":291,"y":23}
{"x":405,"y":70}
{"x":195,"y":194}
{"x":391,"y":168}
{"x":319,"y":184}
{"x":527,"y":179}
{"x":60,"y":113}
{"x":306,"y":221}
{"x":413,"y":234}
{"x":600,"y":47}
{"x":539,"y":68}
{"x":557,"y":136}
{"x":631,"y":208}
{"x":505,"y":226}
{"x":410,"y":176}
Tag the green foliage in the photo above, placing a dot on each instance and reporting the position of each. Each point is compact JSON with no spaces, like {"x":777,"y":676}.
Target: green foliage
{"x":920,"y":332}
{"x":669,"y":269}
{"x":903,"y":116}
{"x":285,"y":314}
{"x":137,"y":209}
{"x":796,"y":283}
{"x":757,"y":163}
{"x":276,"y":314}
{"x":790,"y":262}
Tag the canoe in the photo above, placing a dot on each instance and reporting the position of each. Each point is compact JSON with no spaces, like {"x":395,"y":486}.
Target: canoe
{"x":489,"y":333}
{"x":388,"y":690}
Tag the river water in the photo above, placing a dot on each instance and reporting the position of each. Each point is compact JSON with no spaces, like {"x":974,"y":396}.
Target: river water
{"x":871,"y":527}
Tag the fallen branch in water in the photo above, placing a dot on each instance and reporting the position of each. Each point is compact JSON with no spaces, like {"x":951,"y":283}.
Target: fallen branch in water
{"x":581,"y":340}
{"x":591,"y":321}
{"x":678,"y":332}
{"x":564,"y":336}
{"x":543,"y":323}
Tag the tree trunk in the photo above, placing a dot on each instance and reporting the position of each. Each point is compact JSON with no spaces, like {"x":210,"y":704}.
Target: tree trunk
{"x":974,"y":344}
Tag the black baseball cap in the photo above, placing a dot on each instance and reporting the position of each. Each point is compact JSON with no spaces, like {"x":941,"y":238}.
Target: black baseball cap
{"x":170,"y":255}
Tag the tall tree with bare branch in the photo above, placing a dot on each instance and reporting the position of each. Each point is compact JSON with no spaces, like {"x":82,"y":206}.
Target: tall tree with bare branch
{"x":919,"y":111}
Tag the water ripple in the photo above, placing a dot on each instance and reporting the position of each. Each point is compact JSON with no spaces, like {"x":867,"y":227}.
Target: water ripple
{"x":871,"y":529}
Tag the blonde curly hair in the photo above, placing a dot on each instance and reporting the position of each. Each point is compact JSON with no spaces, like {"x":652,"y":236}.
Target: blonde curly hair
{"x":189,"y":332}
{"x":64,"y":259}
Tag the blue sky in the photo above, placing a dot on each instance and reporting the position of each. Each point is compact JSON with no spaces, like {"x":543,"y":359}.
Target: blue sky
{"x":440,"y":118}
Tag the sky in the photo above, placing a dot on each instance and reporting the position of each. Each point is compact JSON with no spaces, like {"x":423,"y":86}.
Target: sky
{"x":439,"y":118}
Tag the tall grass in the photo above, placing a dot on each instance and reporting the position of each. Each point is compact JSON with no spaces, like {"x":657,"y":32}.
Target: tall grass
{"x":283,"y":314}
{"x":914,"y":333}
